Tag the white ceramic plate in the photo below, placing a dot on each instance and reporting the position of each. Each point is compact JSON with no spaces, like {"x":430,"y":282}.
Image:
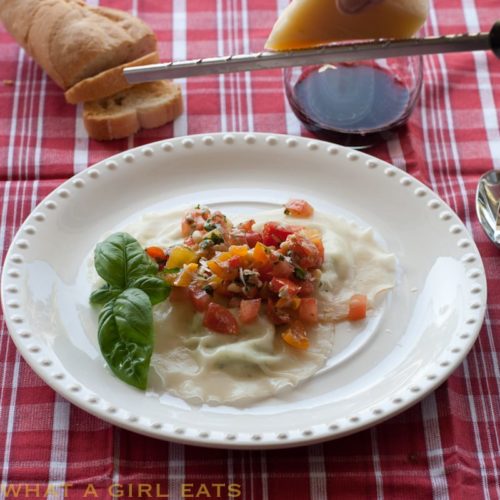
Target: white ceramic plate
{"x":428,"y":323}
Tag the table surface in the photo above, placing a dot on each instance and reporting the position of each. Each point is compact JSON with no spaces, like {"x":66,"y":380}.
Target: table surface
{"x":447,"y":446}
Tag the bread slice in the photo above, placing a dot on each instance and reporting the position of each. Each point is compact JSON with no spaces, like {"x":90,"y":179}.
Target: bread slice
{"x":147,"y":105}
{"x":107,"y":83}
{"x":73,"y":41}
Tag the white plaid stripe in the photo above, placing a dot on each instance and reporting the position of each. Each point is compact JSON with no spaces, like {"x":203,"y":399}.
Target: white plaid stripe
{"x":434,"y":448}
{"x":317,"y":475}
{"x":176,"y":472}
{"x":222,"y":78}
{"x":179,"y":53}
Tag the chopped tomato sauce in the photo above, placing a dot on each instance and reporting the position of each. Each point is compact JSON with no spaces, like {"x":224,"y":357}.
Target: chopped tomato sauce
{"x":229,"y":272}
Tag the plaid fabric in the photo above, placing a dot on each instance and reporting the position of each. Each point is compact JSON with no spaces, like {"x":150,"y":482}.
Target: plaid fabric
{"x":446,"y":447}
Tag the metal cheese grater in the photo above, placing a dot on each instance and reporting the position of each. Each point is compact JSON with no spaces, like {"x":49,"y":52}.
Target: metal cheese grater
{"x":344,"y":52}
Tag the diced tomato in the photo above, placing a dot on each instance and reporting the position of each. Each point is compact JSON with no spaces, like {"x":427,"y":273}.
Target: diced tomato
{"x":252,"y":238}
{"x":234,"y":262}
{"x":306,"y":288}
{"x":275,"y":233}
{"x":308,"y":310}
{"x":266,"y":272}
{"x":296,"y":335}
{"x":282,"y":269}
{"x":246,"y":226}
{"x":219,"y":319}
{"x":276,"y":316}
{"x":199,"y":298}
{"x":249,"y":310}
{"x":277,"y":284}
{"x":305,"y":252}
{"x":157,"y":254}
{"x":298,"y":208}
{"x":178,"y":294}
{"x":357,"y":307}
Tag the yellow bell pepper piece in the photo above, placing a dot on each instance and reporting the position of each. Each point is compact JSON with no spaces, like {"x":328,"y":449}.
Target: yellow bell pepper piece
{"x":186,"y":275}
{"x":223,"y":256}
{"x":179,"y":256}
{"x":239,"y":250}
{"x":260,"y":253}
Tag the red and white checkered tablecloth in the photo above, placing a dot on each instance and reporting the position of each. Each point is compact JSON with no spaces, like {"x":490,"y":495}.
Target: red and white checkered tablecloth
{"x":448,"y":446}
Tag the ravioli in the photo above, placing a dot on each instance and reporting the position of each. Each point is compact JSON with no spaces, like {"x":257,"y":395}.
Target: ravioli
{"x":200,"y":366}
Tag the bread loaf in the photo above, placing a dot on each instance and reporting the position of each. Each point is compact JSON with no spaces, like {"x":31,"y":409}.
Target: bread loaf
{"x":146,"y":105}
{"x":84,"y":49}
{"x":73,"y":41}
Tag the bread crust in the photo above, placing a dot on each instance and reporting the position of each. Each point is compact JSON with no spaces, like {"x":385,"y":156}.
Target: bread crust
{"x":147,"y":105}
{"x":73,"y":41}
{"x":107,"y":83}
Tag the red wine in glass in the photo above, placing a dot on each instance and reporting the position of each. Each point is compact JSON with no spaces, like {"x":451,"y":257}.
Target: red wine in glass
{"x":355,"y":105}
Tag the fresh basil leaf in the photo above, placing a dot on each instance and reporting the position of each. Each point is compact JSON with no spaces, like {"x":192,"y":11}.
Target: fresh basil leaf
{"x":120,"y":259}
{"x":156,"y":289}
{"x":126,"y":336}
{"x":104,"y":294}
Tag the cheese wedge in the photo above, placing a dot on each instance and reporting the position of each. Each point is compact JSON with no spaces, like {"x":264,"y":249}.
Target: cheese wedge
{"x":308,"y":23}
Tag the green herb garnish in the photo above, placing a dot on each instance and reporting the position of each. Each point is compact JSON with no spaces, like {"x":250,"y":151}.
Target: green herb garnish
{"x":299,"y":273}
{"x":125,"y":328}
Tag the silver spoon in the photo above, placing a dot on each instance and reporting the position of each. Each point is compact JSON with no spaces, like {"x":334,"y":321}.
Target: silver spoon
{"x":488,"y":205}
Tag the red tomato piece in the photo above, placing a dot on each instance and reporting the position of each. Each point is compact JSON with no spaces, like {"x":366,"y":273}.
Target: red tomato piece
{"x":266,"y":272}
{"x":305,"y":252}
{"x":234,"y":262}
{"x":282,"y":269}
{"x":275,"y":233}
{"x":298,"y":208}
{"x":357,"y":307}
{"x":277,"y":316}
{"x":219,"y":319}
{"x":306,"y":288}
{"x":249,"y":310}
{"x":277,"y":284}
{"x":199,"y":298}
{"x":246,"y":226}
{"x":252,"y":238}
{"x":157,"y":254}
{"x":308,"y":310}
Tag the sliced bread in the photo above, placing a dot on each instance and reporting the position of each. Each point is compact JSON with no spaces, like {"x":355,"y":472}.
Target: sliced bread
{"x":107,"y":83}
{"x":147,"y":105}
